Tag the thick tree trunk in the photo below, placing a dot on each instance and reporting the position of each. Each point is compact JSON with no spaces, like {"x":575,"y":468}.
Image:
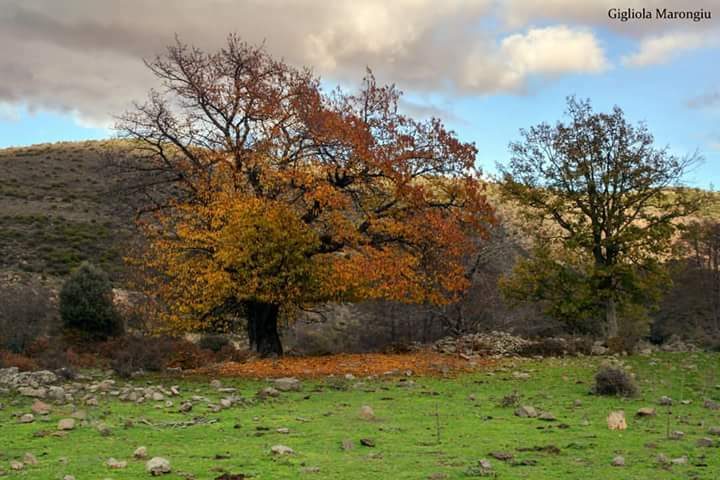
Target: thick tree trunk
{"x":263,"y":328}
{"x":611,"y":318}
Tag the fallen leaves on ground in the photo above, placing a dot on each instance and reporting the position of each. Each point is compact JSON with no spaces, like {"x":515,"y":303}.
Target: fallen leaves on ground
{"x":360,"y":365}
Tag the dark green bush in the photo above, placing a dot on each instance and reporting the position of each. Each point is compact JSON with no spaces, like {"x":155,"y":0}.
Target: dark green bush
{"x":86,"y":303}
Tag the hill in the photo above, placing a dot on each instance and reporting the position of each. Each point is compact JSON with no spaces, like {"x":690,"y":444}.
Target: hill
{"x":57,"y":209}
{"x":59,"y":206}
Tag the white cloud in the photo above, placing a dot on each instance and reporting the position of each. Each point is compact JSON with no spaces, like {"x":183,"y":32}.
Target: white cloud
{"x":548,"y":52}
{"x":663,"y":48}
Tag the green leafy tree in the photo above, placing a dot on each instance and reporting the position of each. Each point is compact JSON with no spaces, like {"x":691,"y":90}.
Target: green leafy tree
{"x":86,"y":303}
{"x":604,"y":201}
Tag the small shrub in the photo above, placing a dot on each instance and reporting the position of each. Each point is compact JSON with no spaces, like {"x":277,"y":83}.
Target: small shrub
{"x":614,"y":380}
{"x":213,"y":342}
{"x":86,"y":303}
{"x":22,"y":362}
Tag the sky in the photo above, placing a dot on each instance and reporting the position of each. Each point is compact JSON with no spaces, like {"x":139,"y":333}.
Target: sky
{"x":486,"y":67}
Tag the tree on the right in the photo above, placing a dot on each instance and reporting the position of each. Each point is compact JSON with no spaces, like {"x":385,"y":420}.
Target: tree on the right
{"x":603,"y":203}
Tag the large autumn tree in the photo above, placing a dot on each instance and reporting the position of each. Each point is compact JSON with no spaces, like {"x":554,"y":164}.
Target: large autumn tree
{"x":285,"y":195}
{"x":603,"y":202}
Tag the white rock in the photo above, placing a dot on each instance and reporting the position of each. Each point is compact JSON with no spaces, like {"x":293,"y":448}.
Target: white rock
{"x":281,"y":450}
{"x":140,"y":453}
{"x":116,"y":464}
{"x":158,"y":466}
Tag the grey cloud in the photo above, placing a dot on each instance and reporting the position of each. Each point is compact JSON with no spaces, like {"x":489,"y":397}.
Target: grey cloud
{"x":85,"y":56}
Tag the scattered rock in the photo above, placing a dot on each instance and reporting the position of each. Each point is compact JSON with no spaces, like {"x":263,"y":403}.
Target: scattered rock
{"x":283,"y":430}
{"x":616,"y":420}
{"x":268,"y":392}
{"x":66,"y":424}
{"x":281,"y":450}
{"x":680,"y":460}
{"x":665,"y":401}
{"x":714,"y":430}
{"x":40,"y":408}
{"x":662,"y":459}
{"x":140,"y":453}
{"x":30,"y":459}
{"x":711,"y":404}
{"x":157,"y":466}
{"x":618,"y":461}
{"x":216,"y":384}
{"x":502,"y":456}
{"x":287,"y":384}
{"x":26,"y":418}
{"x":526,"y":411}
{"x":547,"y":416}
{"x":103,"y":429}
{"x":15,"y":465}
{"x":79,"y":415}
{"x":367,"y":413}
{"x":645,"y":412}
{"x":185,"y":407}
{"x":33,"y":392}
{"x":493,"y":343}
{"x":677,"y":435}
{"x":116,"y":464}
{"x":347,"y":444}
{"x":705,"y":442}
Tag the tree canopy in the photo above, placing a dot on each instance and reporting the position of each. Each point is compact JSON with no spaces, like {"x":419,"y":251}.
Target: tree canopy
{"x":285,"y":194}
{"x":597,"y":189}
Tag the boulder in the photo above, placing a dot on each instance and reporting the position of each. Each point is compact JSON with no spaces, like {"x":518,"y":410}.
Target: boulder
{"x":116,"y":464}
{"x":287,"y":384}
{"x":66,"y":424}
{"x":281,"y":450}
{"x":526,"y":411}
{"x":40,"y":408}
{"x":616,"y":420}
{"x":140,"y":453}
{"x":366,"y":413}
{"x":158,"y":466}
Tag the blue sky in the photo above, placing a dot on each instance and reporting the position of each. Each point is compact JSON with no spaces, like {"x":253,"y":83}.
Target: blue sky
{"x":488,"y":67}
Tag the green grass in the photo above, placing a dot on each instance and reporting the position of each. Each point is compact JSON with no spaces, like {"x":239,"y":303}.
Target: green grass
{"x":405,"y":431}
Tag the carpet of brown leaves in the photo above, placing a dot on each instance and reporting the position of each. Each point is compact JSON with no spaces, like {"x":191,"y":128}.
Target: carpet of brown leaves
{"x":359,"y":365}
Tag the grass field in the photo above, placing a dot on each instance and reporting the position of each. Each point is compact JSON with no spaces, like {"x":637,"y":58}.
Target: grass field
{"x":424,"y":427}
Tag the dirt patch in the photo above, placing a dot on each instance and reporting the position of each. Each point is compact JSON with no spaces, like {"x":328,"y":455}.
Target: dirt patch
{"x":360,"y":365}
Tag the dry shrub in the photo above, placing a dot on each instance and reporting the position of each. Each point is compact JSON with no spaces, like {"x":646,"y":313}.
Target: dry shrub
{"x":22,"y":362}
{"x":133,"y":353}
{"x":614,"y":380}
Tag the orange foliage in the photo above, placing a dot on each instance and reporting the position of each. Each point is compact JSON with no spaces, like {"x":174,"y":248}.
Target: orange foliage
{"x":360,"y":365}
{"x":295,"y":196}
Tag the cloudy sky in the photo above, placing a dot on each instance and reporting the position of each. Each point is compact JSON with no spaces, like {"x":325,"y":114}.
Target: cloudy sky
{"x":488,"y":67}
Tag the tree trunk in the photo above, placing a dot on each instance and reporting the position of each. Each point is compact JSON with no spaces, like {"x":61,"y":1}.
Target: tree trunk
{"x":263,"y":328}
{"x":611,"y":318}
